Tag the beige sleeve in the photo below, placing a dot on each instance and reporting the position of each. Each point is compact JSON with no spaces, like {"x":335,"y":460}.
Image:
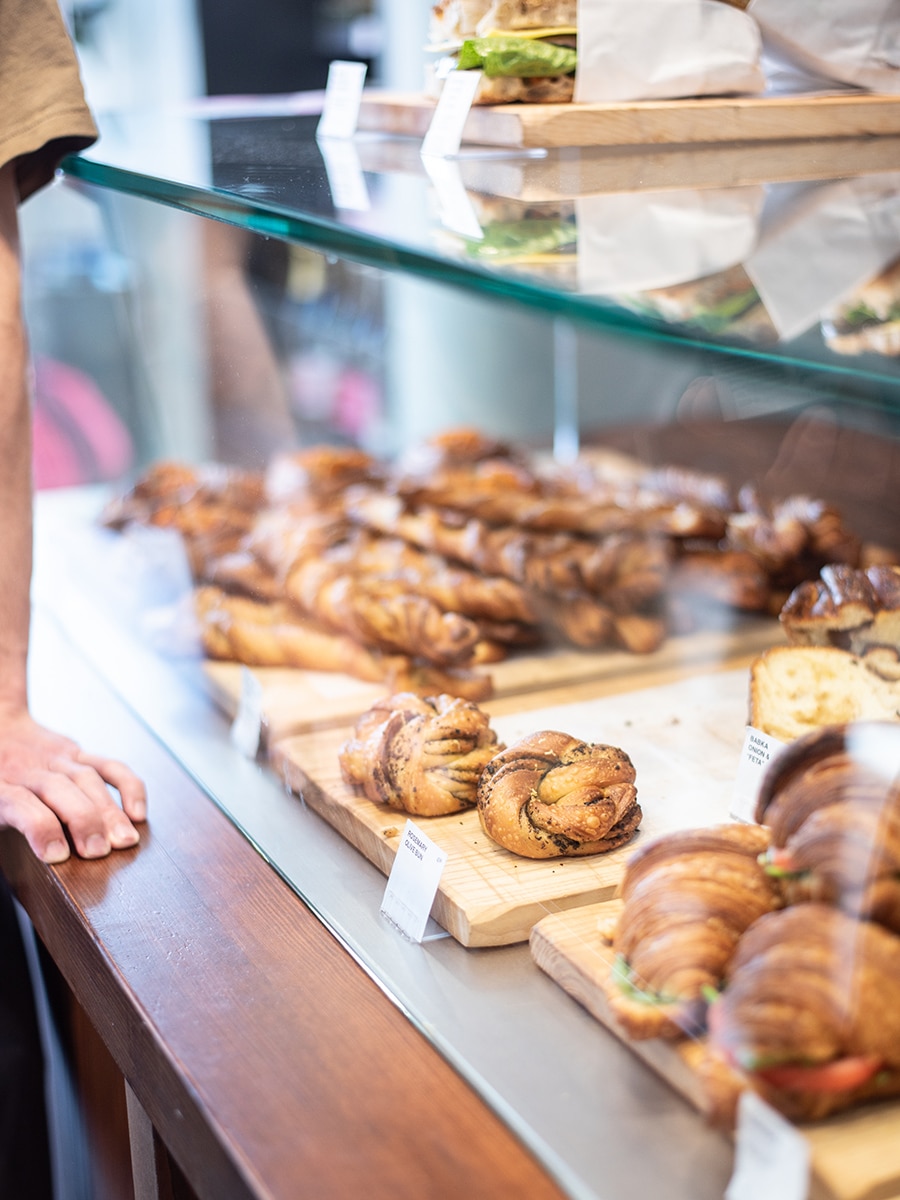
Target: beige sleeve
{"x":43,"y":113}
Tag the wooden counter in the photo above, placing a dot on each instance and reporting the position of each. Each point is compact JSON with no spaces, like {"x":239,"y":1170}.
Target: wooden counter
{"x":266,"y":1058}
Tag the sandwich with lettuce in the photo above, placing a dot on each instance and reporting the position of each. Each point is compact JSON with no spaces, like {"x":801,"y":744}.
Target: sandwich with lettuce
{"x":724,"y":304}
{"x":525,"y":49}
{"x":868,"y":321}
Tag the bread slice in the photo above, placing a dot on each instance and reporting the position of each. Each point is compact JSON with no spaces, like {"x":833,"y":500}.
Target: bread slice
{"x":795,"y":689}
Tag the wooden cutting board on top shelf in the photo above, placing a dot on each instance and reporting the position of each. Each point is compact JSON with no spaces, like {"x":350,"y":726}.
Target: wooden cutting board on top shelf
{"x":292,"y":701}
{"x":685,"y":739}
{"x":710,"y":119}
{"x":853,"y":1156}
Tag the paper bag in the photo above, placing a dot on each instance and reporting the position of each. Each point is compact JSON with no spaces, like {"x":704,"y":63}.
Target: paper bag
{"x":663,"y":49}
{"x":855,"y":44}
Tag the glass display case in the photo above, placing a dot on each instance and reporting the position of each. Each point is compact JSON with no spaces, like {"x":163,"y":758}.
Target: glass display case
{"x":698,"y":336}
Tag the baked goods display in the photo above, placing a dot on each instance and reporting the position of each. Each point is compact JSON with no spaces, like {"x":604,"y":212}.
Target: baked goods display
{"x":775,"y":948}
{"x":551,"y":795}
{"x":420,"y":756}
{"x":769,"y":949}
{"x":423,"y":572}
{"x":842,"y":661}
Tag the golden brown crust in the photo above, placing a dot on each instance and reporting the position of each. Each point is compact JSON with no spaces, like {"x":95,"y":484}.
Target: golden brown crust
{"x":832,"y":802}
{"x":687,"y":898}
{"x":551,"y":795}
{"x":419,"y":755}
{"x":854,"y":609}
{"x":317,"y":474}
{"x":239,"y":629}
{"x":808,"y":985}
{"x":553,"y":89}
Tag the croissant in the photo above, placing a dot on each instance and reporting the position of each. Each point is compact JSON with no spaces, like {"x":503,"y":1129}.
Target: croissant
{"x":688,"y":897}
{"x":808,"y":1013}
{"x":421,"y":756}
{"x":551,"y":795}
{"x":832,"y":801}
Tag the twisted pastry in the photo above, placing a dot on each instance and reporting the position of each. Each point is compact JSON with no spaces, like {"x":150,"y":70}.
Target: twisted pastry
{"x":212,"y":508}
{"x":807,"y":1014}
{"x":854,"y":609}
{"x":551,"y":795}
{"x":688,"y":897}
{"x":381,"y":613}
{"x":238,"y":629}
{"x":628,"y":567}
{"x":421,"y":756}
{"x":317,"y":476}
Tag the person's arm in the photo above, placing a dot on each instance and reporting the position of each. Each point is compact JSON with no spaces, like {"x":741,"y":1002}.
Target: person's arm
{"x":48,"y":785}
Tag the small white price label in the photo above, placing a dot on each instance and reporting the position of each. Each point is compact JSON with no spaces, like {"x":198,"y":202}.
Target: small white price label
{"x":345,"y":176}
{"x":246,"y":728}
{"x":771,"y":1157}
{"x":343,"y":96}
{"x":413,"y":883}
{"x":759,"y":752}
{"x":456,"y":208}
{"x":445,"y":130}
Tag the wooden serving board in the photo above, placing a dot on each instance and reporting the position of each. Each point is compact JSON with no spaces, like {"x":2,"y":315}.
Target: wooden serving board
{"x":644,"y":122}
{"x":685,"y":740}
{"x":293,"y":700}
{"x":556,"y":177}
{"x":853,"y":1156}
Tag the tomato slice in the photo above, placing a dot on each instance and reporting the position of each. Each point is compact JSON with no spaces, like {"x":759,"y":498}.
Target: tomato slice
{"x":838,"y":1076}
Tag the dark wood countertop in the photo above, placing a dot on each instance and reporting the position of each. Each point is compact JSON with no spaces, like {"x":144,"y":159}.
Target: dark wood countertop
{"x":266,"y":1058}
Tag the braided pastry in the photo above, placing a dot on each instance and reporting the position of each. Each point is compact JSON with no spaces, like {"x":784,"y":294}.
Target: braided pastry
{"x":551,"y":795}
{"x":239,"y":629}
{"x":847,"y":607}
{"x":421,"y":756}
{"x":381,"y":613}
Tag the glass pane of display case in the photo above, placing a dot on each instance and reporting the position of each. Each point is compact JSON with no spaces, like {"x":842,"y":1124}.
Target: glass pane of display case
{"x":788,"y":256}
{"x":251,"y":429}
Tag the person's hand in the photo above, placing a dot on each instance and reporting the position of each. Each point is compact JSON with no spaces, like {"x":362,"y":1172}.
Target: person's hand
{"x":50,"y":786}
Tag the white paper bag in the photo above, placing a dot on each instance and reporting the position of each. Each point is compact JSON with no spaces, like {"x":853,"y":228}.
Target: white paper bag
{"x":856,"y":44}
{"x":662,"y":49}
{"x":829,"y":238}
{"x":629,"y":242}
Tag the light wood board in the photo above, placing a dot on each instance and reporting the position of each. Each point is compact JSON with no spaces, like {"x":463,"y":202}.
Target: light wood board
{"x":645,"y":122}
{"x":557,"y":176}
{"x":685,"y":740}
{"x":293,"y":700}
{"x":853,"y":1156}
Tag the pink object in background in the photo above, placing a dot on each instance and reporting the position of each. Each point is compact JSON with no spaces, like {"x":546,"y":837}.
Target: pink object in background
{"x":78,"y":437}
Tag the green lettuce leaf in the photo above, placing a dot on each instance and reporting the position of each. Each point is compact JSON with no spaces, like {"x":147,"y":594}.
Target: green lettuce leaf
{"x":522,"y":58}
